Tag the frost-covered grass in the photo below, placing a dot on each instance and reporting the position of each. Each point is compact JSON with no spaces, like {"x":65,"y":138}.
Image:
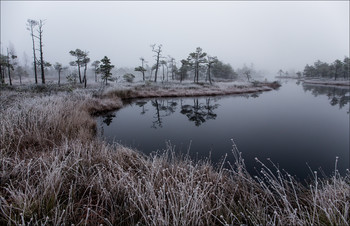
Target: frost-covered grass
{"x":54,"y":171}
{"x":177,"y":89}
{"x":34,"y":122}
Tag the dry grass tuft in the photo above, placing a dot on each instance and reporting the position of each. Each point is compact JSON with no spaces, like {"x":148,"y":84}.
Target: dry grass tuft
{"x":43,"y":122}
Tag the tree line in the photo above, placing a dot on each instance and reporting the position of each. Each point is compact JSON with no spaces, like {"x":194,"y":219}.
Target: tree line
{"x":337,"y":69}
{"x":198,"y":64}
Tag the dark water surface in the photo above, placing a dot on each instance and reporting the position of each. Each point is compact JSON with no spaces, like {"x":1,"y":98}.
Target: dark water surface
{"x":295,"y":126}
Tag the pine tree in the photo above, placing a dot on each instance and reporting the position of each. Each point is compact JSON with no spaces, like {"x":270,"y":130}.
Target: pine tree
{"x":105,"y":69}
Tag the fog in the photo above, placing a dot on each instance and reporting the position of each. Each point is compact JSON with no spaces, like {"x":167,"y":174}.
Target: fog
{"x":271,"y":35}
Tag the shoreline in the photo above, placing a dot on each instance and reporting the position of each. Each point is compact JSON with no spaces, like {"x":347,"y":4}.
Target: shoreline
{"x":318,"y":81}
{"x":327,"y":82}
{"x":183,"y":90}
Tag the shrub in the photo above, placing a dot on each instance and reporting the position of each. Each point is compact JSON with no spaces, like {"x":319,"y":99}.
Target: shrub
{"x":129,"y":77}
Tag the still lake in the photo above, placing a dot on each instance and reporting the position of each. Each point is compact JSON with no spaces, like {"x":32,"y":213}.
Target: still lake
{"x":296,"y":126}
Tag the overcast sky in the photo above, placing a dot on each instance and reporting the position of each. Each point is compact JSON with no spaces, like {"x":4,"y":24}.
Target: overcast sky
{"x":271,"y":35}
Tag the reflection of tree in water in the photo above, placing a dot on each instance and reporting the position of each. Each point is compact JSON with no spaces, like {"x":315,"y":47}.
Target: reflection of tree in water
{"x":255,"y":95}
{"x":336,"y":96}
{"x":163,"y":108}
{"x":142,"y":105}
{"x":199,"y":112}
{"x":108,"y":118}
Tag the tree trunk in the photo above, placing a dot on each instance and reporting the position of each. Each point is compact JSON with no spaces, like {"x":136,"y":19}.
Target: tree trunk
{"x":167,"y":74}
{"x":157,"y":65}
{"x":85,"y":79}
{"x":209,"y":75}
{"x":34,"y":55}
{"x":9,"y":67}
{"x":195,"y":73}
{"x":59,"y":78}
{"x":9,"y":73}
{"x":2,"y":74}
{"x":79,"y":73}
{"x":41,"y":53}
{"x":143,"y":72}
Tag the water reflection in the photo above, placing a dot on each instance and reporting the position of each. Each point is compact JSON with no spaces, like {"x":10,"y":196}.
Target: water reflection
{"x":337,"y":96}
{"x":292,"y":126}
{"x":200,"y":112}
{"x":142,"y":104}
{"x":163,"y":108}
{"x":197,"y":110}
{"x":108,"y":118}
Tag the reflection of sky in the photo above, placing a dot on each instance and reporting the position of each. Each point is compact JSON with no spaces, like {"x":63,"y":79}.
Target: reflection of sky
{"x":290,"y":126}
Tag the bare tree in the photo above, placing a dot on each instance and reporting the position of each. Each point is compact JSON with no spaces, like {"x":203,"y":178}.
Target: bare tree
{"x":158,"y":51}
{"x":42,"y":62}
{"x":280,"y":72}
{"x":31,"y":24}
{"x":247,"y":72}
{"x":210,"y":62}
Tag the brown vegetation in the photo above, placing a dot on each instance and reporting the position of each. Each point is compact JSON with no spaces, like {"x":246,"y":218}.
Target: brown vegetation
{"x":201,"y":89}
{"x":54,"y":171}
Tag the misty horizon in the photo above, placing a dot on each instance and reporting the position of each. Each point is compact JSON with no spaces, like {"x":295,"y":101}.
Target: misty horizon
{"x":270,"y":35}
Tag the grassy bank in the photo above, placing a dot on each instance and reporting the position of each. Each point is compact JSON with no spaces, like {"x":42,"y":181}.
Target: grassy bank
{"x":53,"y":170}
{"x":149,"y":90}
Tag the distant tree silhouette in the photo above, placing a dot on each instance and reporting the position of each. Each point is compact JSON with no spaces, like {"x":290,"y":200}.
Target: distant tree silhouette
{"x":95,"y":64}
{"x":105,"y":69}
{"x":80,"y":55}
{"x":210,"y":62}
{"x":195,"y":60}
{"x":158,"y":51}
{"x":141,"y":68}
{"x":31,"y":24}
{"x":58,"y":67}
{"x":42,"y":63}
